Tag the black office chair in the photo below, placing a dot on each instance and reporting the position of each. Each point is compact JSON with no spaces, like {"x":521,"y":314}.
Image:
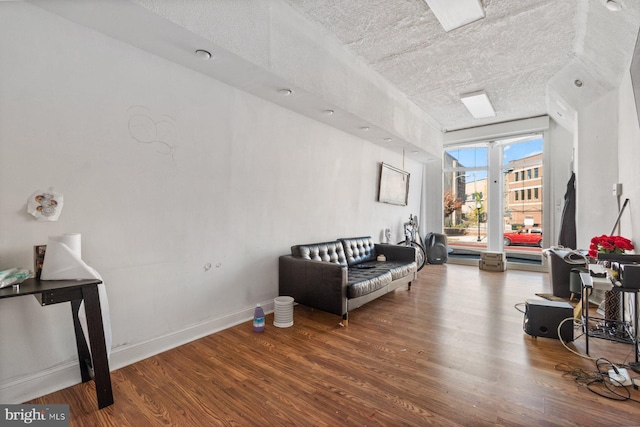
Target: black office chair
{"x":562,"y":261}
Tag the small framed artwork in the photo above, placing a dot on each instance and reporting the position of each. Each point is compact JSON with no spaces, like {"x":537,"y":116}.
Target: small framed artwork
{"x":38,"y":259}
{"x":394,"y":185}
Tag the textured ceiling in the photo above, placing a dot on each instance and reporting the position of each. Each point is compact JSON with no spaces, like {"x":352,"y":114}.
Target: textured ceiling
{"x":512,"y":53}
{"x":386,"y":65}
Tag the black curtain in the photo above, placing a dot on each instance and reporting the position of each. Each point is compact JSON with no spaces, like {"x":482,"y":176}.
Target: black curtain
{"x":567,"y":237}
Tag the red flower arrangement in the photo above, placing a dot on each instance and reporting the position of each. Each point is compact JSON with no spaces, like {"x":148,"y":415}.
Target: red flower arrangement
{"x":609,"y":245}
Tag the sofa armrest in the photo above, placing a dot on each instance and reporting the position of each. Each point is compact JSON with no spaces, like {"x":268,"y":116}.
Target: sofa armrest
{"x":317,"y":284}
{"x":396,"y":252}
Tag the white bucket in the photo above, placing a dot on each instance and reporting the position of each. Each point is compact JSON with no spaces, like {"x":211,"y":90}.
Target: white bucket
{"x":283,"y":312}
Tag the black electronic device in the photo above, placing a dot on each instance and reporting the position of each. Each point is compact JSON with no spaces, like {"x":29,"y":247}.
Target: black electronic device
{"x":542,"y":318}
{"x":630,"y":275}
{"x":436,"y":248}
{"x":620,"y":258}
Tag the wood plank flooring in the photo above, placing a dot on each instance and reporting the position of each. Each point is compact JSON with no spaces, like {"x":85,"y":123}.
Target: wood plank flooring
{"x":449,"y":352}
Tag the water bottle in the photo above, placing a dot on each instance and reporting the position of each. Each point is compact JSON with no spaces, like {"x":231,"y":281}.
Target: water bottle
{"x":258,"y":319}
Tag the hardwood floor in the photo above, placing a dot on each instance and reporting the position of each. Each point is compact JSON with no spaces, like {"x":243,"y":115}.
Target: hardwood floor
{"x":451,"y":351}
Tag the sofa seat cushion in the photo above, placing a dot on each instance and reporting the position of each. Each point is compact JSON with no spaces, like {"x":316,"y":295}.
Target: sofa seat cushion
{"x":364,"y":281}
{"x":400,"y":269}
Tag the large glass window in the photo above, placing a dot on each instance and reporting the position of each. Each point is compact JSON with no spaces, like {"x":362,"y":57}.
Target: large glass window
{"x":467,"y":197}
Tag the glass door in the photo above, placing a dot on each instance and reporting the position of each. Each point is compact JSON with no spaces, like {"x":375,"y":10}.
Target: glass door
{"x":465,"y":199}
{"x":523,"y":172}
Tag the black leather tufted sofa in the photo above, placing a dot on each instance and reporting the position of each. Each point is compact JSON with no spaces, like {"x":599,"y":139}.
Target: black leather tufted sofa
{"x":329,"y":275}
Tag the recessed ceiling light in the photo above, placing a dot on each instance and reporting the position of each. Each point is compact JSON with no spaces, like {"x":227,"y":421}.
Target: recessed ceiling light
{"x":613,"y":5}
{"x":285,"y":92}
{"x":578,"y":82}
{"x":203,"y":54}
{"x":478,"y":104}
{"x":365,"y":128}
{"x":387,"y":139}
{"x":328,"y":112}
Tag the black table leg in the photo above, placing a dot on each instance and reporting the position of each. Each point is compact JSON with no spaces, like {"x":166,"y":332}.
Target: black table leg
{"x":635,"y":323}
{"x":585,"y":310}
{"x":84,"y":356}
{"x":102,"y":377}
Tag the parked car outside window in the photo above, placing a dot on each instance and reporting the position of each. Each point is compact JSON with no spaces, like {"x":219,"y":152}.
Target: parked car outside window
{"x":528,"y":237}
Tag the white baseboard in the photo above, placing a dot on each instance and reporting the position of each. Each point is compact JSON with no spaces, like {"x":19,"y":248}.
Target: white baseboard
{"x":40,"y":383}
{"x":463,"y":261}
{"x":527,"y":267}
{"x":65,"y":375}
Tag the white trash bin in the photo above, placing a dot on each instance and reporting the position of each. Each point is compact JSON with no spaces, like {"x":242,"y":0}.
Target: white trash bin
{"x":283,"y":312}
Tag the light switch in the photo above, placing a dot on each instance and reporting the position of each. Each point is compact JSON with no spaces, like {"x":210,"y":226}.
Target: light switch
{"x":616,"y":189}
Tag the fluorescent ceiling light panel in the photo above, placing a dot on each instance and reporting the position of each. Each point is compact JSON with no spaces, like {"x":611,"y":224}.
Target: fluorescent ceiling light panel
{"x":478,"y":104}
{"x":454,"y":14}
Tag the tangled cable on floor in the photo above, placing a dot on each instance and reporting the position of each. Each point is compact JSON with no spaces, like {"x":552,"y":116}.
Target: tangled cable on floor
{"x":598,"y":381}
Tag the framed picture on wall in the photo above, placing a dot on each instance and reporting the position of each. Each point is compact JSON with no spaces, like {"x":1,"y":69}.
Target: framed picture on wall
{"x":394,"y":185}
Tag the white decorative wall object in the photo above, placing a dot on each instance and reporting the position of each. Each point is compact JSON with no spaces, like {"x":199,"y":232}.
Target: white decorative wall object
{"x":45,"y":205}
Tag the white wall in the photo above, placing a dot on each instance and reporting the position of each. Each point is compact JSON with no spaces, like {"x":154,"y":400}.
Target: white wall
{"x":596,"y":164}
{"x":231,"y":180}
{"x":433,"y":215}
{"x":608,"y":150}
{"x":628,"y":162}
